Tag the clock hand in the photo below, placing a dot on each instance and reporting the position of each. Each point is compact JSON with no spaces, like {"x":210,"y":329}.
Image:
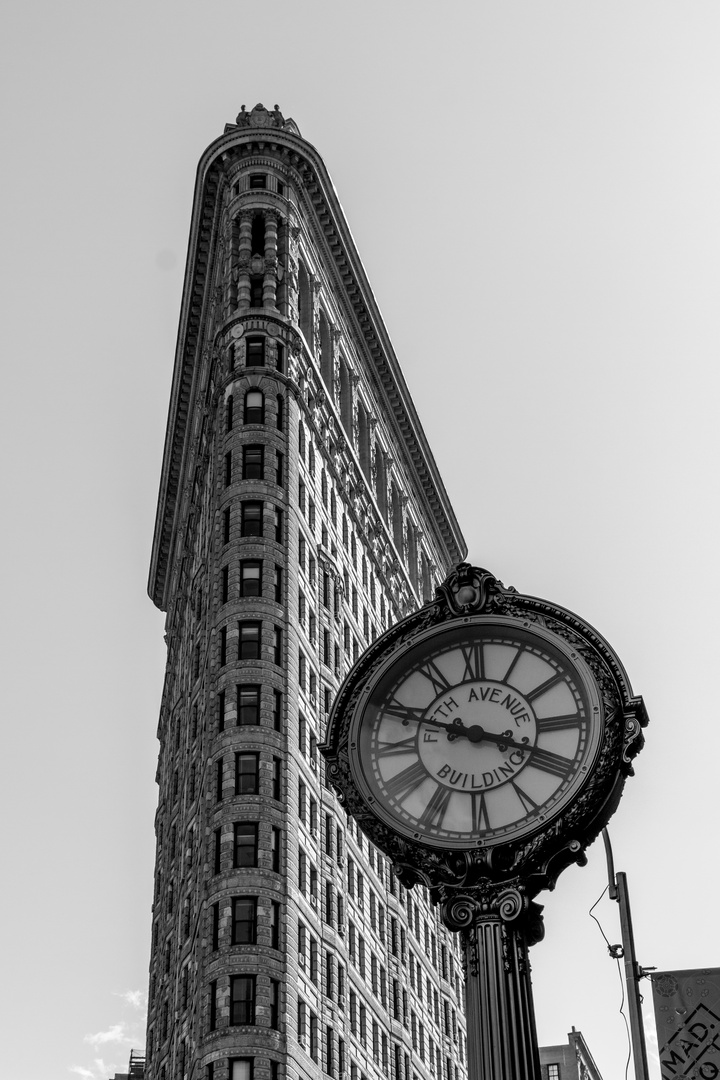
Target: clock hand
{"x":476,"y":733}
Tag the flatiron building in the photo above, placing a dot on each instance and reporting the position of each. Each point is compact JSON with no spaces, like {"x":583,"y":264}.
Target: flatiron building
{"x":300,"y":513}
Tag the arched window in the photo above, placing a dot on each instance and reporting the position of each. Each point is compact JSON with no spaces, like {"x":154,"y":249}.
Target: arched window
{"x":326,"y":359}
{"x":254,"y":407}
{"x":345,"y":397}
{"x":412,"y":555}
{"x":381,"y":481}
{"x":397,"y":522}
{"x":426,"y":579}
{"x":363,"y":439}
{"x":304,"y":304}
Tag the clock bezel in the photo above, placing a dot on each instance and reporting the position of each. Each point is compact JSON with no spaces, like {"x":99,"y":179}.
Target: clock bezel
{"x":453,"y":631}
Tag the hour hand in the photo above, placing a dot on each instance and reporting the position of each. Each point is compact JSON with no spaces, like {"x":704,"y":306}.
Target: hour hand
{"x":406,"y":713}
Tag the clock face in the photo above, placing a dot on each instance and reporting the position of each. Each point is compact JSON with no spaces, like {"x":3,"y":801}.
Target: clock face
{"x":479,"y":733}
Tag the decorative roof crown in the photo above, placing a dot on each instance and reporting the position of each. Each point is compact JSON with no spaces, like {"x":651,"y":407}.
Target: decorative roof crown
{"x":260,"y":117}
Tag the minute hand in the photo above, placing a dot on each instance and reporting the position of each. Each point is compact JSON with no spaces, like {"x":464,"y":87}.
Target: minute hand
{"x":476,"y":733}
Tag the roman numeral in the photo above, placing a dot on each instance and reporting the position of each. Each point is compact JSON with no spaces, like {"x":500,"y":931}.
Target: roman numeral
{"x":473,"y":657}
{"x":434,"y":812}
{"x":405,"y":782}
{"x":549,"y":762}
{"x":528,"y":803}
{"x":513,"y":662}
{"x":558,"y":723}
{"x":479,"y":812}
{"x":392,"y":749}
{"x":552,"y":681}
{"x":403,"y":712}
{"x":432,"y":672}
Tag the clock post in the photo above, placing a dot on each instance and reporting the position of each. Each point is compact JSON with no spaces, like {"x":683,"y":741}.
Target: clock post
{"x":482,"y":743}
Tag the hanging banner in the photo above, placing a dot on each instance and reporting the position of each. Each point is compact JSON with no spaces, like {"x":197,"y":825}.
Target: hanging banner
{"x":687,"y":1017}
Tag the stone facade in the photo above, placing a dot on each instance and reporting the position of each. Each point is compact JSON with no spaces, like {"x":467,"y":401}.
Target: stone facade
{"x":300,"y":513}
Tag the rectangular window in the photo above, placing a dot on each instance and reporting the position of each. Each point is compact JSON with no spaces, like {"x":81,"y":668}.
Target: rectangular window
{"x":258,"y":181}
{"x":280,"y":364}
{"x":240,"y":1069}
{"x":255,"y":352}
{"x":213,"y":1004}
{"x":228,"y":468}
{"x":330,"y":1052}
{"x":249,"y":641}
{"x":215,"y":927}
{"x":242,"y":999}
{"x":254,"y":407}
{"x":226,"y":525}
{"x":217,"y":851}
{"x":277,"y":709}
{"x":244,"y":920}
{"x":229,"y":414}
{"x":246,"y":774}
{"x":302,"y":1021}
{"x":251,"y":519}
{"x":223,"y":646}
{"x":221,"y":708}
{"x":248,"y":705}
{"x":276,"y":778}
{"x":251,"y":577}
{"x":278,"y":584}
{"x":253,"y":462}
{"x":245,"y":844}
{"x":275,"y":850}
{"x":274,"y":924}
{"x":279,"y":468}
{"x":219,"y":780}
{"x":225,"y":584}
{"x":278,"y":525}
{"x":274,"y":1003}
{"x":278,"y":646}
{"x":553,"y":1072}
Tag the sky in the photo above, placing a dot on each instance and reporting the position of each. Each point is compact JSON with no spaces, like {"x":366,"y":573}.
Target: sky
{"x":533,"y":188}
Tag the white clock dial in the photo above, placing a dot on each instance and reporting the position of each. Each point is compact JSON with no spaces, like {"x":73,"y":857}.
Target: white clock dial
{"x":478,"y":735}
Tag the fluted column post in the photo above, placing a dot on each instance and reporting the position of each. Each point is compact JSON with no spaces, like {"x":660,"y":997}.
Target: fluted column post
{"x":271,"y":254}
{"x":244,"y":250}
{"x":497,"y":929}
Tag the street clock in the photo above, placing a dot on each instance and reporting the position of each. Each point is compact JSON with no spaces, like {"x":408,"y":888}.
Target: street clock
{"x":487,"y":735}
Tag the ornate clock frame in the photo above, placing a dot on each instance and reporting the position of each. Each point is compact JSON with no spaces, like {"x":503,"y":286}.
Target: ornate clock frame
{"x":487,"y":892}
